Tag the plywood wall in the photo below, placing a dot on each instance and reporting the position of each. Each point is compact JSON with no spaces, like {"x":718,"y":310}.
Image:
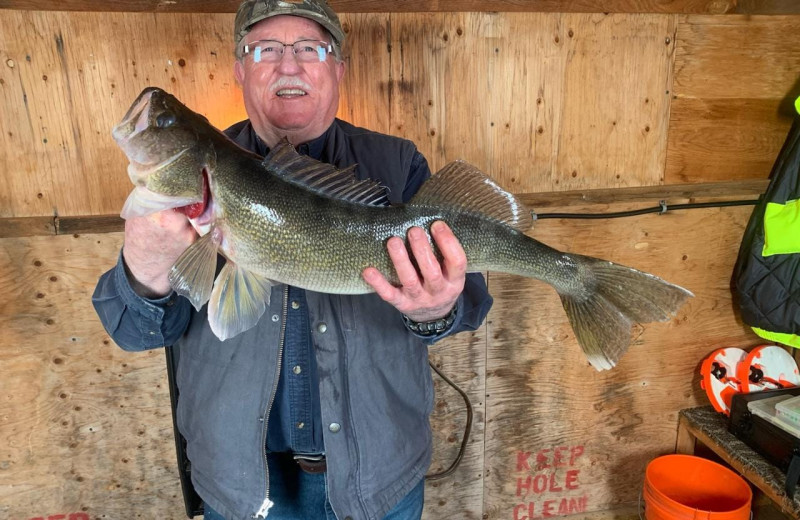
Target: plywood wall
{"x":725,"y":114}
{"x":86,"y":428}
{"x":545,"y":102}
{"x":541,"y":101}
{"x":558,"y":433}
{"x":72,"y":77}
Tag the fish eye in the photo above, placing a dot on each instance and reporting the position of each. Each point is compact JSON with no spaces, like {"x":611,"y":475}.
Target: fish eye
{"x":165,"y":120}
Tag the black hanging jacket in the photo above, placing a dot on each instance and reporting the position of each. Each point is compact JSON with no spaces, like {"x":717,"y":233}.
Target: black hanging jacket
{"x":766,"y":278}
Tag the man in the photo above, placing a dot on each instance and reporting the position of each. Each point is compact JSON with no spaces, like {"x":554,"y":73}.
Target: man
{"x":320,"y":410}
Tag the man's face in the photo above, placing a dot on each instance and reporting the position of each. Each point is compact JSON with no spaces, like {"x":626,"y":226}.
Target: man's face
{"x":288,"y":98}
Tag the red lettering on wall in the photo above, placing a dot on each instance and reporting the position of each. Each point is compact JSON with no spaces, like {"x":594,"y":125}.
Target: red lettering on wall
{"x":547,"y":509}
{"x":559,"y":457}
{"x":542,"y":459}
{"x":563,"y":507}
{"x":61,"y":516}
{"x":577,"y":506}
{"x":522,"y":461}
{"x":544,"y":482}
{"x":523,"y":485}
{"x":540,"y":484}
{"x":572,"y":479}
{"x":550,"y":508}
{"x":547,"y":482}
{"x":558,"y":461}
{"x":577,"y":451}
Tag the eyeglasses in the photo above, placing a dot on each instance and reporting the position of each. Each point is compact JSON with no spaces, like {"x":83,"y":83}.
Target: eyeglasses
{"x":271,"y":51}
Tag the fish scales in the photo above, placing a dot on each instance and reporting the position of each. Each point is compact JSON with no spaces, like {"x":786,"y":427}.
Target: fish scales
{"x":289,"y":219}
{"x":305,"y":233}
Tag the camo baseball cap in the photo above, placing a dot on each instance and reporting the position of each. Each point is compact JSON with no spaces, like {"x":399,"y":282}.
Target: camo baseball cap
{"x":253,"y":11}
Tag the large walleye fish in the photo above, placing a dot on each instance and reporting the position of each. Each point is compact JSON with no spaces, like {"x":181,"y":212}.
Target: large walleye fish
{"x":290,"y":219}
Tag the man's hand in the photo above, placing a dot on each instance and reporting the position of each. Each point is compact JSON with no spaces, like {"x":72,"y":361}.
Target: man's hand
{"x":430,"y":293}
{"x":152,"y":244}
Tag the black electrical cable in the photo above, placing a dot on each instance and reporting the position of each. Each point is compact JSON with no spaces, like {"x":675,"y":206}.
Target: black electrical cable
{"x":662,"y":208}
{"x":467,"y":429}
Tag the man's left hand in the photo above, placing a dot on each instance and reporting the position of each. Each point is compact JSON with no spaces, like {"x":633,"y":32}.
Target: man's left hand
{"x":431,"y":292}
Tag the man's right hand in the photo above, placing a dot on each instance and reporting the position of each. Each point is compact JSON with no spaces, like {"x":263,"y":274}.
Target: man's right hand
{"x":152,"y":245}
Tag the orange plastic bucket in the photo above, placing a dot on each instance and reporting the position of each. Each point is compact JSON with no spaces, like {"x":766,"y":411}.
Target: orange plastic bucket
{"x":678,"y":487}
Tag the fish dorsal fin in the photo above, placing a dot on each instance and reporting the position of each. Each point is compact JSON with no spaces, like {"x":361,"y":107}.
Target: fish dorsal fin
{"x":323,"y":178}
{"x":464,"y":187}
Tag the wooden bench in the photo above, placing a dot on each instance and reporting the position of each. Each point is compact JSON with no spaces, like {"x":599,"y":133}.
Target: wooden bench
{"x":710,"y":428}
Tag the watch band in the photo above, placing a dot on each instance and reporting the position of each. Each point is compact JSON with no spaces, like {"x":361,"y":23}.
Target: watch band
{"x":433,"y":327}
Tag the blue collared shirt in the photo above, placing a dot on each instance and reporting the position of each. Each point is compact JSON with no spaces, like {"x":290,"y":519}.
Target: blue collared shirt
{"x":295,"y":422}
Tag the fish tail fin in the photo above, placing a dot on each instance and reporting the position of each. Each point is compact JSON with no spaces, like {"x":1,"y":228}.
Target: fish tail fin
{"x":614,"y":297}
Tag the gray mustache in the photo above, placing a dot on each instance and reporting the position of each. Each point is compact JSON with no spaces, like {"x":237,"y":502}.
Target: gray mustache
{"x":285,"y":82}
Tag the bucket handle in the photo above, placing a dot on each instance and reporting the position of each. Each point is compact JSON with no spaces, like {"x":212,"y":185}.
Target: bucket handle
{"x":640,"y":509}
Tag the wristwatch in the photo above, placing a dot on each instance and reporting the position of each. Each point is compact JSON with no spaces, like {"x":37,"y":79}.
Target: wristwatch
{"x":433,"y":327}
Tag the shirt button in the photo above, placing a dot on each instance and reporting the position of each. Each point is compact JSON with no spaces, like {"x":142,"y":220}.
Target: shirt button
{"x":275,"y":317}
{"x":152,"y":333}
{"x":335,"y":427}
{"x":300,"y":425}
{"x":322,"y":327}
{"x":297,"y":369}
{"x":295,"y":305}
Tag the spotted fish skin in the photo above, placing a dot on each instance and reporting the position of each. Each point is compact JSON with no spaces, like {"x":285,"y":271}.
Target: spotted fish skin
{"x":290,"y":219}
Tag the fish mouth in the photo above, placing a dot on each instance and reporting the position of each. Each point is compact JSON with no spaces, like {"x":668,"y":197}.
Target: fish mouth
{"x":135,"y":120}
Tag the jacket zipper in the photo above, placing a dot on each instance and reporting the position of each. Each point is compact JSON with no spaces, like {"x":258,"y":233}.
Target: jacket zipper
{"x":267,"y":504}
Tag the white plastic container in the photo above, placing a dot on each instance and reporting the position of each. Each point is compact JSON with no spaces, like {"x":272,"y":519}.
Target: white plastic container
{"x":789,"y":410}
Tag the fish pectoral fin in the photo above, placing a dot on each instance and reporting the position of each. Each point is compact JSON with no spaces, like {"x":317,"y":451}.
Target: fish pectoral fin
{"x":192,"y":275}
{"x":142,"y":202}
{"x":238,"y":300}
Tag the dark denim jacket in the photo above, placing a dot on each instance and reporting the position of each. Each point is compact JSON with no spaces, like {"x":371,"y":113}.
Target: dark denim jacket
{"x":374,"y":381}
